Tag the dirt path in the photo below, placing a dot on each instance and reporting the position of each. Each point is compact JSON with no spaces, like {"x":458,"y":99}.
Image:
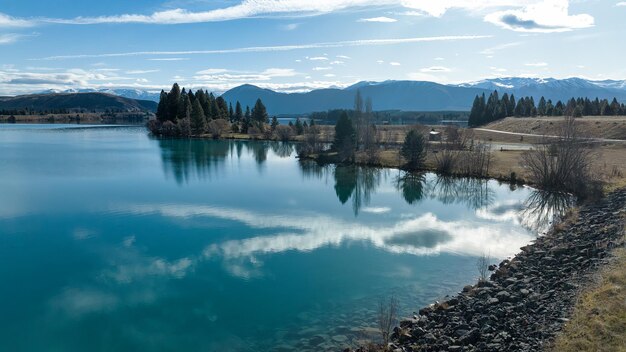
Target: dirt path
{"x":606,"y":140}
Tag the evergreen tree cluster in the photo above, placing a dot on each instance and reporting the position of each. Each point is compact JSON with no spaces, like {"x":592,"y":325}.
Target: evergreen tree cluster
{"x":485,"y":110}
{"x":200,"y":108}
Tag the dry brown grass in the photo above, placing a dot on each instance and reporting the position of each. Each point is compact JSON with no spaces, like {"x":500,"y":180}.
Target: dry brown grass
{"x":599,"y":319}
{"x":611,"y":127}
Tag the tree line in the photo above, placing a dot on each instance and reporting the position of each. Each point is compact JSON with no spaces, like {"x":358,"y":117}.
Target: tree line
{"x":59,"y":111}
{"x":185,"y":113}
{"x":485,"y":110}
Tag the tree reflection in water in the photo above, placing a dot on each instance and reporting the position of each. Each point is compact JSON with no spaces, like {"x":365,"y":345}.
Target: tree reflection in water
{"x":474,"y":193}
{"x":201,"y":158}
{"x":543,"y":209}
{"x":356,"y":183}
{"x":412,"y":186}
{"x":184,"y":158}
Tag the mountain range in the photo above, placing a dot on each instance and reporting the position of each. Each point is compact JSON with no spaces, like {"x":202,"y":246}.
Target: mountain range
{"x":408,"y":95}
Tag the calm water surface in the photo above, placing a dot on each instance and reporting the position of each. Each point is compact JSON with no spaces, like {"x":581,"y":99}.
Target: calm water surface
{"x":114,"y":241}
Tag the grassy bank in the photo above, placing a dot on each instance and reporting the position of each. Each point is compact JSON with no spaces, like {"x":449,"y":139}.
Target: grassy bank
{"x":599,"y":319}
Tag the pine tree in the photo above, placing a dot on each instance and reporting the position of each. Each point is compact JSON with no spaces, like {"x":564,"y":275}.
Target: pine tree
{"x":162,"y":108}
{"x":414,"y":149}
{"x":541,"y":108}
{"x":184,"y":107}
{"x":299,"y":127}
{"x":259,"y":112}
{"x":238,"y":112}
{"x":274,"y":123}
{"x":198,"y":120}
{"x":245,"y":124}
{"x":222,"y":108}
{"x":475,"y":113}
{"x":344,"y":133}
{"x":512,"y":104}
{"x":173,"y":101}
{"x":615,"y":107}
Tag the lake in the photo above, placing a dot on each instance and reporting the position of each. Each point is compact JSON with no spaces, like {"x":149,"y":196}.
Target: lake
{"x":111,"y":240}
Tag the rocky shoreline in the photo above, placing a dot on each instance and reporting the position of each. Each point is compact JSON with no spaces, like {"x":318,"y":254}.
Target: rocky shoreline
{"x":528,"y":299}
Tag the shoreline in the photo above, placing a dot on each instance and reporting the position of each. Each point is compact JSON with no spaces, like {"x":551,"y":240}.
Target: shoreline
{"x":529,"y":298}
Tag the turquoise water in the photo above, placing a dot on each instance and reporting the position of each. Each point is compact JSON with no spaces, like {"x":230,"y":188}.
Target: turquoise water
{"x":111,"y":240}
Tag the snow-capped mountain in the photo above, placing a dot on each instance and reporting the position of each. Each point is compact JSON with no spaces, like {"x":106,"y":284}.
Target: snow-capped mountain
{"x":555,"y":89}
{"x":403,"y":95}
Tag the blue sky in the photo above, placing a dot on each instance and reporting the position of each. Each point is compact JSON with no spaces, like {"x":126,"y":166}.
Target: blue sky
{"x":298,"y":45}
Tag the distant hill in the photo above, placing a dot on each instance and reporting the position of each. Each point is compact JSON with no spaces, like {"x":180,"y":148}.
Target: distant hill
{"x":76,"y":101}
{"x":388,"y":95}
{"x":131,"y":93}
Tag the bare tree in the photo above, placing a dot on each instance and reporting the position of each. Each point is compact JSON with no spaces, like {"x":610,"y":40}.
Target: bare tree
{"x":482,"y":264}
{"x":457,"y":138}
{"x":371,"y":144}
{"x":446,"y":161}
{"x":218,"y":126}
{"x":283,"y":132}
{"x":312,"y":143}
{"x":387,"y":316}
{"x":477,"y":160}
{"x":564,"y":163}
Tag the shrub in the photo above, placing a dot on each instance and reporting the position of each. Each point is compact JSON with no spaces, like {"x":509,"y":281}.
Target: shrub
{"x":218,"y":126}
{"x":564,"y":163}
{"x":283,"y":132}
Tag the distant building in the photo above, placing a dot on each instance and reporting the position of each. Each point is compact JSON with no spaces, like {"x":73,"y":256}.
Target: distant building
{"x":434,"y":136}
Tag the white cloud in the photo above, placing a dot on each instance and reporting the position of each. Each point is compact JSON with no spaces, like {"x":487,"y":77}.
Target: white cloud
{"x":212,"y":71}
{"x":547,"y":16}
{"x":140,"y":72}
{"x":310,"y":233}
{"x":279,"y":72}
{"x":169,"y":59}
{"x":325,"y":68}
{"x":129,"y":241}
{"x":380,"y":62}
{"x":8,"y":21}
{"x":376,"y":210}
{"x":329,"y":75}
{"x":378,"y":19}
{"x":256,"y":49}
{"x":11,"y":38}
{"x":255,"y":8}
{"x":343,"y":57}
{"x":393,"y":63}
{"x":435,"y":69}
{"x":76,"y":302}
{"x":520,"y":15}
{"x":337,"y":62}
{"x":318,"y":58}
{"x":621,"y":3}
{"x":212,"y":76}
{"x":492,"y":50}
{"x":290,"y":26}
{"x":439,"y":59}
{"x":411,"y":13}
{"x":536,"y":64}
